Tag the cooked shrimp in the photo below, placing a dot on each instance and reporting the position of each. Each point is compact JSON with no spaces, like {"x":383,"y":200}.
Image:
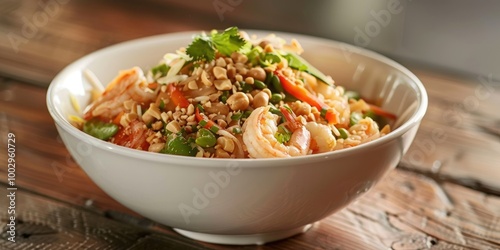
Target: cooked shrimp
{"x":133,"y":136}
{"x":322,"y":139}
{"x":259,"y":137}
{"x":128,"y":85}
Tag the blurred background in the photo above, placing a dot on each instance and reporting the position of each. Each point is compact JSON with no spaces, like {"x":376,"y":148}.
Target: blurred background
{"x":39,"y":38}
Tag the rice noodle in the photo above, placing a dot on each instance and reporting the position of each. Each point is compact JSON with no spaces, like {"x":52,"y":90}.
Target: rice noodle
{"x":94,"y":81}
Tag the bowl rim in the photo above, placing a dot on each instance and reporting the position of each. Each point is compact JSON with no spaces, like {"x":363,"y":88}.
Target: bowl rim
{"x":412,"y":121}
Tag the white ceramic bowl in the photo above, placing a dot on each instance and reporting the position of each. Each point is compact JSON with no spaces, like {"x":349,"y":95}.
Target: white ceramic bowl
{"x":245,"y":201}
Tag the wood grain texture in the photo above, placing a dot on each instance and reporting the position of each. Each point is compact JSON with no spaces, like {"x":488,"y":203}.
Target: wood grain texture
{"x":46,"y":224}
{"x":458,"y":139}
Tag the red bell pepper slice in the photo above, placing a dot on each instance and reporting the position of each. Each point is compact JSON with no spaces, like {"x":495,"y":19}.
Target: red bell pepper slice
{"x":379,"y":111}
{"x":208,"y":124}
{"x":301,"y":93}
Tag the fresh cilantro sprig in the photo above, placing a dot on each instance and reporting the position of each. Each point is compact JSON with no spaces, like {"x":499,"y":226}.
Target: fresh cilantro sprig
{"x":283,"y":135}
{"x":201,"y":48}
{"x":204,"y":47}
{"x":297,"y":62}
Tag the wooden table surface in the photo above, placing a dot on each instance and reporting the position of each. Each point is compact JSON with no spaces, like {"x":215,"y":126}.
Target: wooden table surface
{"x":443,"y":195}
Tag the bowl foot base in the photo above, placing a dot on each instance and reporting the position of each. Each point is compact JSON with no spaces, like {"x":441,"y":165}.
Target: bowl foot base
{"x":248,"y":239}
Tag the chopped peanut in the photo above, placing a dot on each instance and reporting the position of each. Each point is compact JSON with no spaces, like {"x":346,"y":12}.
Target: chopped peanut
{"x":223,"y":84}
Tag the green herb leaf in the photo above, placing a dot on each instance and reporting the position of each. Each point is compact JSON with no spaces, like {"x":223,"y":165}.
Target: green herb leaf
{"x":297,"y":62}
{"x":201,"y":49}
{"x":254,"y":55}
{"x":204,"y":47}
{"x":100,"y":129}
{"x":283,"y":135}
{"x":160,"y":70}
{"x":246,"y":48}
{"x":228,"y":41}
{"x":269,"y":59}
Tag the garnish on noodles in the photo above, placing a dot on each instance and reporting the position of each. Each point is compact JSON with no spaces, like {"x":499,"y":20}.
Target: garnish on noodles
{"x":229,"y":95}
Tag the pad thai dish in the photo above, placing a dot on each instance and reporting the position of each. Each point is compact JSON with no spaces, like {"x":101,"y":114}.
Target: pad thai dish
{"x":229,"y":95}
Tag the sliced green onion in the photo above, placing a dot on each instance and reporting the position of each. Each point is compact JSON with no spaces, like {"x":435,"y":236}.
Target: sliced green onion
{"x":370,"y":114}
{"x":203,"y":123}
{"x":269,"y":77}
{"x":162,"y":104}
{"x":276,"y":98}
{"x":270,"y":58}
{"x":343,"y":133}
{"x":352,"y":95}
{"x":283,"y":135}
{"x":246,"y":114}
{"x":245,"y":87}
{"x":237,"y":130}
{"x":355,"y":117}
{"x":259,"y":84}
{"x":254,"y":54}
{"x":236,"y":116}
{"x":323,"y":112}
{"x":223,"y":97}
{"x":200,"y":108}
{"x":214,"y":129}
{"x":275,"y":111}
{"x":275,"y":81}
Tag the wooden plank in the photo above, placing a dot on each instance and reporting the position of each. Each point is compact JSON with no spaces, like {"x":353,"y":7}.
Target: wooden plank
{"x":43,"y":223}
{"x":457,"y":140}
